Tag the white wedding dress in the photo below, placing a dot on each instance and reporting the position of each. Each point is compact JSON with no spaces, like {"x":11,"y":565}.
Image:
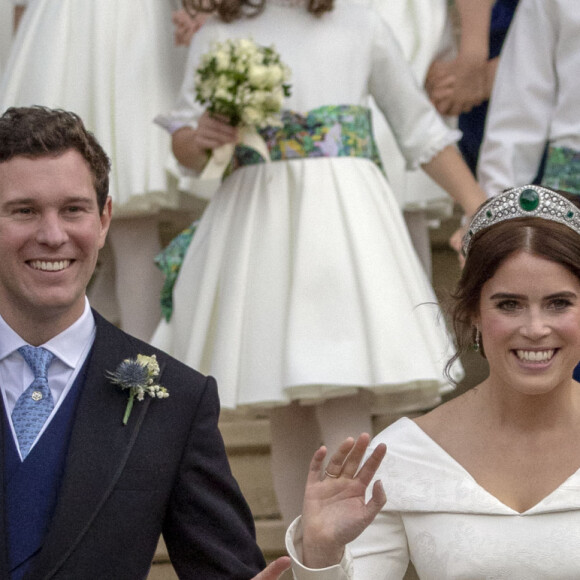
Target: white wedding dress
{"x":450,"y":527}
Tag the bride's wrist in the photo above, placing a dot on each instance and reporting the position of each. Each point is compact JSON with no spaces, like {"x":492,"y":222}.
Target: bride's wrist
{"x":317,"y":557}
{"x":318,"y":552}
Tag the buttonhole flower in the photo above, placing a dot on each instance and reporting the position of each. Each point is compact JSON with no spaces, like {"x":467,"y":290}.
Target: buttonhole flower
{"x":139,"y":377}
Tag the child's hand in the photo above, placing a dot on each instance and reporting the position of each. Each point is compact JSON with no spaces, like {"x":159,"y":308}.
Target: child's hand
{"x":458,"y":85}
{"x":193,"y":147}
{"x":213,"y":131}
{"x":456,"y":242}
{"x":186,"y":26}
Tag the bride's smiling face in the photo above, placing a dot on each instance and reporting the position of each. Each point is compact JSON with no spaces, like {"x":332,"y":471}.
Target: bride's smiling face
{"x":529,"y":317}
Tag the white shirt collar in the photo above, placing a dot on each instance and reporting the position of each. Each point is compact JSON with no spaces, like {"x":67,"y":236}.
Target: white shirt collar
{"x":68,"y":346}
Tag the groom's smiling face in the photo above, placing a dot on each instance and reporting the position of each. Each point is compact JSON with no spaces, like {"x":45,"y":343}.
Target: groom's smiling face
{"x":51,"y":231}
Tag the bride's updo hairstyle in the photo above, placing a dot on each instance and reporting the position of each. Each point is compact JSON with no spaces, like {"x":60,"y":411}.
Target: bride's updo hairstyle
{"x":230,"y":10}
{"x":490,"y":247}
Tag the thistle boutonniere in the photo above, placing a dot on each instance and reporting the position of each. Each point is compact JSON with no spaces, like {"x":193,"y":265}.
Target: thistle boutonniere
{"x":139,"y":376}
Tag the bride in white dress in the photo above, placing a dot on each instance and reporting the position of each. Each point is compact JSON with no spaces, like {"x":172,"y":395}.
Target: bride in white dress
{"x":114,"y":63}
{"x":486,"y":485}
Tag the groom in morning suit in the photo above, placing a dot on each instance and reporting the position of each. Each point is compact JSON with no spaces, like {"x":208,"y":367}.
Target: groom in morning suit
{"x":85,"y":496}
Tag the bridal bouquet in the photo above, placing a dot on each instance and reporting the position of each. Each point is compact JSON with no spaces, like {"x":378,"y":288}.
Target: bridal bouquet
{"x":243,"y":81}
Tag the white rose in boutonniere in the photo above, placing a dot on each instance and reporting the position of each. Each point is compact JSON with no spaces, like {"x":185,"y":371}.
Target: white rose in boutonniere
{"x":139,"y":376}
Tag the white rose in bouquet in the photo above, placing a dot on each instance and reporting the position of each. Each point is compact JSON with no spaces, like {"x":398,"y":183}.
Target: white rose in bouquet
{"x":223,"y":61}
{"x":251,"y":116}
{"x":275,"y":76}
{"x":274,"y":99}
{"x":258,"y":76}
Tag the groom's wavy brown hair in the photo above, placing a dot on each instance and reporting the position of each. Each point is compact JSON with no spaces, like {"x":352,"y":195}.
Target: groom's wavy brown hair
{"x":42,"y":132}
{"x":230,"y":10}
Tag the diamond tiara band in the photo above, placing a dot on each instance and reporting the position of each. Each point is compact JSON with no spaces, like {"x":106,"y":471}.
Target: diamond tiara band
{"x":525,"y":201}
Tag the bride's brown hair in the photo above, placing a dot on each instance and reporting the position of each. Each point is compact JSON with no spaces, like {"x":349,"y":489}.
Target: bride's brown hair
{"x":230,"y":10}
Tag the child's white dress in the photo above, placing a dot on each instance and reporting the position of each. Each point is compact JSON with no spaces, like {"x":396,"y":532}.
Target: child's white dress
{"x":113,"y":62}
{"x":6,"y":25}
{"x":423,"y":29}
{"x":301,"y":281}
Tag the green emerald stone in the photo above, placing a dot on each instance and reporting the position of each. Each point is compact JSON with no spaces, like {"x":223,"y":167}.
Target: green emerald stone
{"x":570,"y":215}
{"x":529,"y":199}
{"x":489,"y":214}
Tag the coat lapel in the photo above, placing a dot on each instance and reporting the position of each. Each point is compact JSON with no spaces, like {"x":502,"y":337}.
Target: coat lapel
{"x":99,"y":447}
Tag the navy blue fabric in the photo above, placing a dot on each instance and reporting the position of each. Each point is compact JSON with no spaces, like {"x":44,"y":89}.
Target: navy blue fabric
{"x":32,"y":486}
{"x":501,"y":18}
{"x":472,"y":124}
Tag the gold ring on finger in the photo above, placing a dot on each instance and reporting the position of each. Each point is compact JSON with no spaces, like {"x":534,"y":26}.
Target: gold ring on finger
{"x":331,"y":475}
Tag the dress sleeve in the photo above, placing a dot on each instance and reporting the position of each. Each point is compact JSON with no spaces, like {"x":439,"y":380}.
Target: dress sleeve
{"x":186,"y":110}
{"x":380,"y":552}
{"x":522,"y":100}
{"x":208,"y":527}
{"x":419,"y":130}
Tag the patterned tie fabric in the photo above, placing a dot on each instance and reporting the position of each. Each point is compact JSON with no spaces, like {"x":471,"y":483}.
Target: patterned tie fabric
{"x":34,"y":405}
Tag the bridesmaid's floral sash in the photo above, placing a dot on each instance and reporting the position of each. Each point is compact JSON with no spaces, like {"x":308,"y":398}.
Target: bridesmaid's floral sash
{"x":329,"y":131}
{"x":562,"y":170}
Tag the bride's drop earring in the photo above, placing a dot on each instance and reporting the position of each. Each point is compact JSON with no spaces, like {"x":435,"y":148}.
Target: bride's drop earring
{"x":477,"y":340}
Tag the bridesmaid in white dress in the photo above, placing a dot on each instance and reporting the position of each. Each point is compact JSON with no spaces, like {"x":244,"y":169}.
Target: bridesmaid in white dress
{"x":423,"y":29}
{"x":6,"y":29}
{"x":115,"y":64}
{"x":301,"y":291}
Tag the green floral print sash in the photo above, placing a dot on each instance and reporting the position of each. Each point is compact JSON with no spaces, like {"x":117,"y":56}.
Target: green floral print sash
{"x":562,"y":170}
{"x":329,"y":131}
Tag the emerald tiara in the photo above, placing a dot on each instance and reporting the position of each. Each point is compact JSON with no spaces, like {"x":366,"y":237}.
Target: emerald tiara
{"x":525,"y":201}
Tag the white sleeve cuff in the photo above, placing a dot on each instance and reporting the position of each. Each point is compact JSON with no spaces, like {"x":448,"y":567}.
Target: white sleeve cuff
{"x":342,"y":571}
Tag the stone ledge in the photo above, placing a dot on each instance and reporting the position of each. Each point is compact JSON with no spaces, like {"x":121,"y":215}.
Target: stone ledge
{"x":244,"y":435}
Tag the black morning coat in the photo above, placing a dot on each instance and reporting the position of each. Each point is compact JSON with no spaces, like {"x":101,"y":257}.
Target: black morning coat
{"x":166,"y":472}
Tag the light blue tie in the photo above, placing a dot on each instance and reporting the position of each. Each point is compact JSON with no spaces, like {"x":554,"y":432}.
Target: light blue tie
{"x":36,"y":403}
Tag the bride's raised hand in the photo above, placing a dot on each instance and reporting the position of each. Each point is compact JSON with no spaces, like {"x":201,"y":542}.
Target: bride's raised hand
{"x":334,"y":511}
